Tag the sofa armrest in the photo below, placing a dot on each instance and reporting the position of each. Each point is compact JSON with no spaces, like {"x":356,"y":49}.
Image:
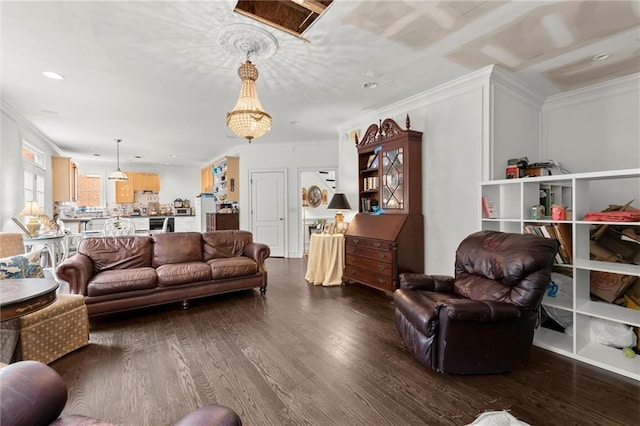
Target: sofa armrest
{"x":480,"y":310}
{"x":439,"y":283}
{"x":258,"y":252}
{"x":77,"y":271}
{"x":32,"y":394}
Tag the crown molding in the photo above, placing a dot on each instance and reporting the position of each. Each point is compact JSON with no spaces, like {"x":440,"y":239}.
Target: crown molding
{"x":24,"y":124}
{"x":616,"y":86}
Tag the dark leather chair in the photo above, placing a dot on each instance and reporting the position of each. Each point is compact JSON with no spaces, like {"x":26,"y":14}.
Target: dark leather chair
{"x":33,"y":394}
{"x":482,"y":320}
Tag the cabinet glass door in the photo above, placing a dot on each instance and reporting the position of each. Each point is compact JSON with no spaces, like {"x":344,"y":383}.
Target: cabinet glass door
{"x":393,"y":179}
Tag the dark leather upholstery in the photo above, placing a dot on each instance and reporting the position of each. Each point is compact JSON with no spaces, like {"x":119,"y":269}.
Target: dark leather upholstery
{"x":483,"y":319}
{"x":33,"y":394}
{"x":122,"y":273}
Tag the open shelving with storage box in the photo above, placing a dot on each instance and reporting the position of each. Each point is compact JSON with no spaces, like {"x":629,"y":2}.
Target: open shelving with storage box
{"x":513,"y":205}
{"x":225,"y":180}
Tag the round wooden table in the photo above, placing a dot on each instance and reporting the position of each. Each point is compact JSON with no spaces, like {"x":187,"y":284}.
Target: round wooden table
{"x":25,"y":295}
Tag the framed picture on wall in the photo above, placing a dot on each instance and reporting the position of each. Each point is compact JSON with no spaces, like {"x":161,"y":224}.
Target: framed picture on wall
{"x":314,"y":195}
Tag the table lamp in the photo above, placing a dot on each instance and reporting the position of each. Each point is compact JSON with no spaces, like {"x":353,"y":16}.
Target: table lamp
{"x":33,"y":210}
{"x":339,"y":202}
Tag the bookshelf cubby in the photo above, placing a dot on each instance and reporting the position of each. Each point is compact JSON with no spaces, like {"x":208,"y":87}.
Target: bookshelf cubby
{"x":513,"y":200}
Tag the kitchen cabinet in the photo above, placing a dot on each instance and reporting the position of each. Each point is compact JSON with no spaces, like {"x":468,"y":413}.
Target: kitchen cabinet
{"x":185,"y":224}
{"x":124,"y":189}
{"x":64,"y":173}
{"x":206,"y":179}
{"x":145,"y":181}
{"x":378,"y":248}
{"x":511,"y":202}
{"x":222,"y":221}
{"x":225,"y":180}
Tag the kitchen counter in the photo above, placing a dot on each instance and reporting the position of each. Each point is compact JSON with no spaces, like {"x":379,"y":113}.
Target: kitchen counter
{"x":182,"y":223}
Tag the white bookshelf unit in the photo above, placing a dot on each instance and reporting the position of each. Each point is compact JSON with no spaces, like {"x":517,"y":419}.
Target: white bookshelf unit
{"x":512,"y":201}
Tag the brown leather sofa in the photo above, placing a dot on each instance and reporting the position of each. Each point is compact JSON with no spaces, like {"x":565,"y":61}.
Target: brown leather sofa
{"x":482,"y":320}
{"x":33,"y":394}
{"x":128,"y":272}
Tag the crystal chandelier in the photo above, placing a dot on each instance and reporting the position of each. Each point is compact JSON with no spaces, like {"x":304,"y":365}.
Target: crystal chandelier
{"x":248,"y":119}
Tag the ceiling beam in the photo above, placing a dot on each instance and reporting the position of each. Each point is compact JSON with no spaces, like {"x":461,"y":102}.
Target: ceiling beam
{"x":311,"y":5}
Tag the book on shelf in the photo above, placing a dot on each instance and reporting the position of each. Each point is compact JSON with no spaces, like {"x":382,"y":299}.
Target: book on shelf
{"x":370,"y":183}
{"x":489,"y":208}
{"x":556,"y":231}
{"x":563,"y":232}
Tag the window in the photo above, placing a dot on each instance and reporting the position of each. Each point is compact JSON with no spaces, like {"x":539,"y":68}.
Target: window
{"x":34,"y":174}
{"x":90,"y":190}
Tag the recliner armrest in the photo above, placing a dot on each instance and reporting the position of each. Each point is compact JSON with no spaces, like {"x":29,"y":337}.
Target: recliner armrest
{"x":479,"y":310}
{"x":439,"y":283}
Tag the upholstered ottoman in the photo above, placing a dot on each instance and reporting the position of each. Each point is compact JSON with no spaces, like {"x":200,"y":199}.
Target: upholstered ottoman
{"x":54,"y":331}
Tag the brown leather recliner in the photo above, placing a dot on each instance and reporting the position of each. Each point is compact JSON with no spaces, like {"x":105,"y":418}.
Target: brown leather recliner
{"x":482,"y":320}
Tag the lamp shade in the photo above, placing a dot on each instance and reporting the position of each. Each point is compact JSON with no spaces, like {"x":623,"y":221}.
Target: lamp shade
{"x":339,"y":201}
{"x":31,"y":208}
{"x":248,"y":119}
{"x":118,"y":175}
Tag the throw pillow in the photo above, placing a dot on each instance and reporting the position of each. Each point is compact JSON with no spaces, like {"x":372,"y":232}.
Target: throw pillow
{"x":21,"y":266}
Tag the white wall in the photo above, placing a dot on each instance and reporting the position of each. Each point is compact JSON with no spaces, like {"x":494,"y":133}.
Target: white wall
{"x":452,"y":119}
{"x":595,"y":129}
{"x":516,"y":123}
{"x":13,"y":130}
{"x":292,"y":158}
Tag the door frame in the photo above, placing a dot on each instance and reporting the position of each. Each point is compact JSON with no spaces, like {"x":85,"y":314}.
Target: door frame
{"x":301,"y":229}
{"x":285,"y":201}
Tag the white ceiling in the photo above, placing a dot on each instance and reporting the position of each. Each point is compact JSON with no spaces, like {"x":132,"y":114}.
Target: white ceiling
{"x":154,"y":74}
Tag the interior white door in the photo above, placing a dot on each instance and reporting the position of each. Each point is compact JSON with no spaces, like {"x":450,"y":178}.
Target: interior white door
{"x":267,"y":210}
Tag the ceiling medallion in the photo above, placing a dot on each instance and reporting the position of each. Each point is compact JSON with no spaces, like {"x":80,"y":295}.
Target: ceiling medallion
{"x":245,"y":38}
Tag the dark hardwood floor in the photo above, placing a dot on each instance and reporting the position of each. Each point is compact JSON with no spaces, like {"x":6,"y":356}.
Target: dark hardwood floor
{"x":308,"y":355}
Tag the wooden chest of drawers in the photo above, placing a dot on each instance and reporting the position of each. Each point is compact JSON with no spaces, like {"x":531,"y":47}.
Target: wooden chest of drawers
{"x":372,"y":262}
{"x":379,"y":248}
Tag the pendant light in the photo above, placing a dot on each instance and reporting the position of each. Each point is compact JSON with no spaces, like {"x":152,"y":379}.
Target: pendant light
{"x":248,"y":119}
{"x":118,"y":174}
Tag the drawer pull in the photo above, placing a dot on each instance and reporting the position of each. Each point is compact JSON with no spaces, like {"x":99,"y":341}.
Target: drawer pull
{"x":356,"y":241}
{"x":381,"y":280}
{"x":352,"y":250}
{"x":381,"y":256}
{"x":381,"y":267}
{"x":377,"y":244}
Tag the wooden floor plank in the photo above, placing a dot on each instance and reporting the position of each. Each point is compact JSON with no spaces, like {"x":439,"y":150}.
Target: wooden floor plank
{"x":311,"y":355}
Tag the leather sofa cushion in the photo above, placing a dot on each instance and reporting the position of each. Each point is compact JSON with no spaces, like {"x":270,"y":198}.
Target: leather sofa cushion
{"x":117,"y":252}
{"x":232,"y":267}
{"x":120,"y":281}
{"x":230,"y":243}
{"x":177,"y":247}
{"x":182,"y":273}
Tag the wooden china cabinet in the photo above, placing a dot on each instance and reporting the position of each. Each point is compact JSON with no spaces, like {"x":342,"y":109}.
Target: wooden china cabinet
{"x":386,"y":237}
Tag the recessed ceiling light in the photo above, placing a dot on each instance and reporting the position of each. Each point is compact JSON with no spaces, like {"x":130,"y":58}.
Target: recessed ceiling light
{"x":49,"y":111}
{"x":96,"y":155}
{"x":173,"y":156}
{"x":293,"y":123}
{"x":137,"y":156}
{"x":53,"y":75}
{"x":600,"y":57}
{"x":167,"y":164}
{"x":370,"y":85}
